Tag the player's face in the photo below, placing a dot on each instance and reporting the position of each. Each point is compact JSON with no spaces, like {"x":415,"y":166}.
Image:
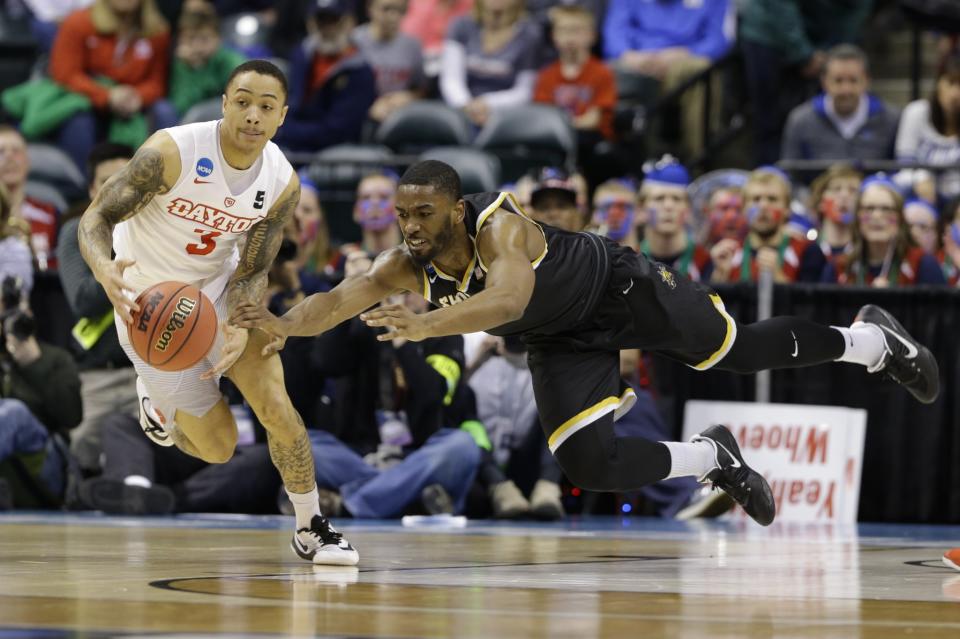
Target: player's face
{"x":667,"y":206}
{"x":426,"y":220}
{"x":253,"y":110}
{"x":878,"y":215}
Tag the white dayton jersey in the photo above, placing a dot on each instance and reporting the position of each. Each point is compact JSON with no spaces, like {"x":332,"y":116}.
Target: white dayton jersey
{"x":191,"y":233}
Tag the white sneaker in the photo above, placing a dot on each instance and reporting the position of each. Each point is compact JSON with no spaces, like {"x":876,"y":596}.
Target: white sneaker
{"x":322,"y":544}
{"x":151,"y":421}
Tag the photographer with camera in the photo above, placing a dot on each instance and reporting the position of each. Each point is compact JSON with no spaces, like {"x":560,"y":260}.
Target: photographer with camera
{"x":39,"y":399}
{"x":108,"y":381}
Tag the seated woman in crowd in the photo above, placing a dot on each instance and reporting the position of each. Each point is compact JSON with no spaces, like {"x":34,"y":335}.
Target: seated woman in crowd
{"x":882,"y":254}
{"x":490,"y":59}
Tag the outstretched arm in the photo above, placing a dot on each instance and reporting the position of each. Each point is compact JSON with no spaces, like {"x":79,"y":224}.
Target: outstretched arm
{"x":505,"y":245}
{"x":153,"y":170}
{"x":391,"y":272}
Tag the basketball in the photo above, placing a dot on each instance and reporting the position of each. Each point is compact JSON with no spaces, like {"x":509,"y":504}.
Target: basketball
{"x":175,"y":327}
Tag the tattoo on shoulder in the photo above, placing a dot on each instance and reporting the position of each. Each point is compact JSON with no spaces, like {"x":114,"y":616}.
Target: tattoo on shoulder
{"x":136,"y":184}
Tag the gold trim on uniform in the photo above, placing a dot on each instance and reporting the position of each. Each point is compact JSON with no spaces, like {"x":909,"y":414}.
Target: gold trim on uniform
{"x":589,"y":415}
{"x":519,"y":211}
{"x":727,"y":340}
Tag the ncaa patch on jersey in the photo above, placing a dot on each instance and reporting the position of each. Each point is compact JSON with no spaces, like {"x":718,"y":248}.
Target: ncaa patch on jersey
{"x":204,"y":167}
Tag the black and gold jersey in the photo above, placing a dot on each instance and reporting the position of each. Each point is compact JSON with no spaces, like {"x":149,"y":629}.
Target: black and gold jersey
{"x":571,"y":273}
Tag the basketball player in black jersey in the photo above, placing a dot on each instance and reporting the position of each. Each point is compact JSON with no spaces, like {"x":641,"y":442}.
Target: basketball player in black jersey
{"x":577,"y":299}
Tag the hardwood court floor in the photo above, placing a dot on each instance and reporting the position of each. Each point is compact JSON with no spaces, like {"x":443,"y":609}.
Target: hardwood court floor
{"x":94,"y":576}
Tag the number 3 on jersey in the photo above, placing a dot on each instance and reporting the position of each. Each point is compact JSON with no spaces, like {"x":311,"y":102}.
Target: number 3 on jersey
{"x":206,"y":244}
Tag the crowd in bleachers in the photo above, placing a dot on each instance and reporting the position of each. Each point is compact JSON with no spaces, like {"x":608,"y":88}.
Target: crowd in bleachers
{"x":529,"y":97}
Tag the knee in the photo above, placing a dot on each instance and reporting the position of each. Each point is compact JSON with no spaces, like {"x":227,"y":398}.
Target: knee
{"x":221,"y":449}
{"x":586,"y":467}
{"x":464,"y":447}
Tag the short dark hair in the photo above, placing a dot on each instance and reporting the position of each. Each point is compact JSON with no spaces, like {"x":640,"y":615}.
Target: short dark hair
{"x":104,"y":152}
{"x":263,"y":67}
{"x":441,"y":176}
{"x":949,"y":68}
{"x":847,"y":52}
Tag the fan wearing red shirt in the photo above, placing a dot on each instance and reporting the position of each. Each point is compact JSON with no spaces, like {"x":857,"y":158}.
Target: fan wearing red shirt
{"x":578,"y":82}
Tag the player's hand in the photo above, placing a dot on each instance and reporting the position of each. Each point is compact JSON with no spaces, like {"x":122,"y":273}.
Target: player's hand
{"x":234,"y":343}
{"x":399,"y":320}
{"x":257,"y":316}
{"x":111,"y":279}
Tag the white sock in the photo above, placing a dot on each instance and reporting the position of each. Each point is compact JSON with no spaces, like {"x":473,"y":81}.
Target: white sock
{"x":694,"y":458}
{"x":306,"y":506}
{"x":137,"y":480}
{"x":863,"y":344}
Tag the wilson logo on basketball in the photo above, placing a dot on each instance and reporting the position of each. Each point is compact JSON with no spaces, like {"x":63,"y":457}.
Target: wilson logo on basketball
{"x":209,"y":216}
{"x":147,"y":311}
{"x":185,"y":306}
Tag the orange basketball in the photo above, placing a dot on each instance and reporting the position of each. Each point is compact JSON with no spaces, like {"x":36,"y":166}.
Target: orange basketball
{"x":175,"y":327}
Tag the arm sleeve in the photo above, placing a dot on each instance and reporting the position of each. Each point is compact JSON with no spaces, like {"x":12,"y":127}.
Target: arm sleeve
{"x":427,"y":389}
{"x":714,"y":41}
{"x":519,"y":93}
{"x":453,"y":74}
{"x":68,"y":61}
{"x":616,"y":25}
{"x":84,"y":294}
{"x":908,"y":131}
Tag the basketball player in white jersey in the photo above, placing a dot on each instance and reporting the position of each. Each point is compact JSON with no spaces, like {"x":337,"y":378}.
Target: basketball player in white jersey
{"x":206,"y":204}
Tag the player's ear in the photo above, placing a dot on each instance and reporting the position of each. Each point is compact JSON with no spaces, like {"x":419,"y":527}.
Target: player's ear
{"x":283,"y":114}
{"x":459,"y":211}
{"x":223,"y":104}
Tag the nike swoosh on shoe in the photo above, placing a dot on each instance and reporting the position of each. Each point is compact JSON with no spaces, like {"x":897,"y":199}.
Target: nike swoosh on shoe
{"x":912,"y":350}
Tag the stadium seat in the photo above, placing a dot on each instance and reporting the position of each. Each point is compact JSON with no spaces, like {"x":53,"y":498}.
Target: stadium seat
{"x":422,"y":125}
{"x":52,"y":166}
{"x":528,"y":137}
{"x":336,"y":171}
{"x":47,"y":193}
{"x":479,"y":170}
{"x":205,"y":111}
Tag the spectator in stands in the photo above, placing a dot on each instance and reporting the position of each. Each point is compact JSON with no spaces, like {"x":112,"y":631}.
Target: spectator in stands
{"x":553,"y":200}
{"x":845,"y":122}
{"x":783,"y":46}
{"x":949,"y":257}
{"x":833,"y":200}
{"x":669,"y":41}
{"x":108,"y":381}
{"x":25,"y":210}
{"x":47,"y":16}
{"x":882,"y":254}
{"x":923,"y":219}
{"x":116,"y":53}
{"x":201,"y":64}
{"x":502,"y":384}
{"x":331,"y":85}
{"x":723,"y":213}
{"x":767,"y":247}
{"x":316,"y":256}
{"x":667,"y":238}
{"x":396,"y":58}
{"x":579,"y":83}
{"x":397,"y":392}
{"x":16,"y":261}
{"x":374,"y":212}
{"x":490,"y":59}
{"x":615,"y":213}
{"x":428,"y":21}
{"x":140,"y":478}
{"x":930,"y":129}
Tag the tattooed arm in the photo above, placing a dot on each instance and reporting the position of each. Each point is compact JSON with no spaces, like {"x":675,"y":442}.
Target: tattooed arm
{"x":263,"y":240}
{"x":249,"y":282}
{"x":153,"y":170}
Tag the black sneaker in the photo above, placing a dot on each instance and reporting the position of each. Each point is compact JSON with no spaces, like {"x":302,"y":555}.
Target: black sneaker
{"x":115,"y":497}
{"x":322,"y":544}
{"x":436,"y":500}
{"x":907,"y":361}
{"x":734,"y":477}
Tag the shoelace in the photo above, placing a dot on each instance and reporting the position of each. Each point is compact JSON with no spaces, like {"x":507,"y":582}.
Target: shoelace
{"x":325,"y":534}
